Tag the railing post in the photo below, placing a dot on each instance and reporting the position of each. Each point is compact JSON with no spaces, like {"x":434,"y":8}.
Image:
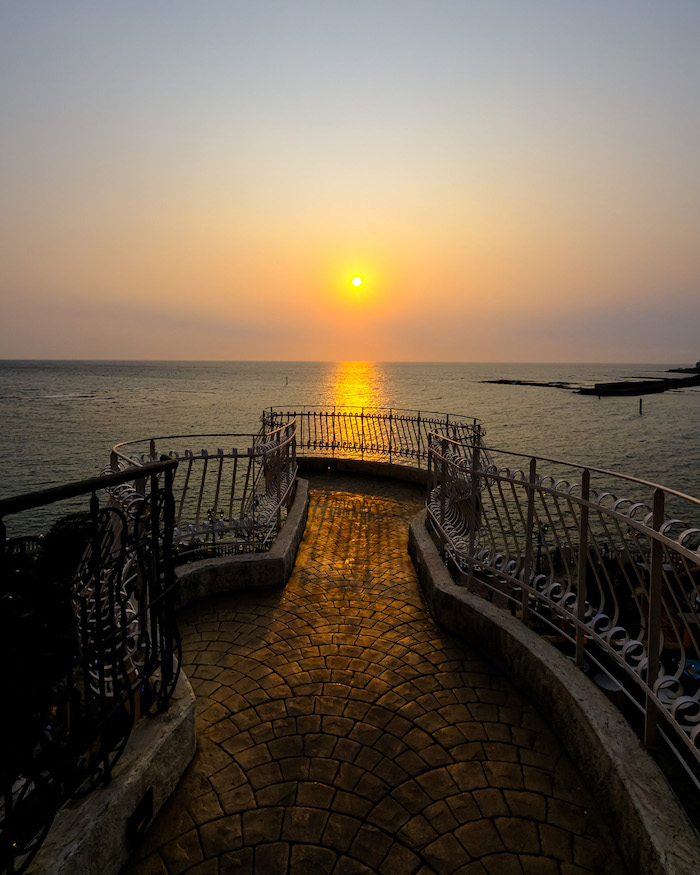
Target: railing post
{"x":530,"y":523}
{"x":474,"y":507}
{"x":140,"y":486}
{"x":205,"y":456}
{"x":654,"y":621}
{"x":581,"y":588}
{"x":278,"y":466}
{"x":443,"y":481}
{"x":290,"y":464}
{"x":431,"y":478}
{"x":391,"y":433}
{"x":419,"y":441}
{"x":169,"y":519}
{"x":362,"y":445}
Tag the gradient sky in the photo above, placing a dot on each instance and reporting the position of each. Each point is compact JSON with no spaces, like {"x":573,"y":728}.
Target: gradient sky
{"x":514,"y":181}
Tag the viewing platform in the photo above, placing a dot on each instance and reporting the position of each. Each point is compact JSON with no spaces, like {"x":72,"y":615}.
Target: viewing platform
{"x":340,"y":730}
{"x":409,"y":651}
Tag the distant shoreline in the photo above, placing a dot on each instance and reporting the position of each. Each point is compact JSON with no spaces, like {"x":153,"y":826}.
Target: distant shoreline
{"x":620,"y":387}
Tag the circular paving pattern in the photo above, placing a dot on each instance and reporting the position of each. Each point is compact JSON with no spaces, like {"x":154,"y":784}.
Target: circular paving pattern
{"x":340,"y":731}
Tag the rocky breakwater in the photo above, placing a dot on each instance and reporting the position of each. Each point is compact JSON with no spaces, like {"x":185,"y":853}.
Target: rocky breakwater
{"x":642,"y":387}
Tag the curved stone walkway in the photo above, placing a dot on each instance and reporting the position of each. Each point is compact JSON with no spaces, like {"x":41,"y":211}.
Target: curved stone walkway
{"x":340,"y":731}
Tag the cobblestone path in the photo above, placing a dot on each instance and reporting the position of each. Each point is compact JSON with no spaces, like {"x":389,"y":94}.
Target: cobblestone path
{"x":340,"y":731}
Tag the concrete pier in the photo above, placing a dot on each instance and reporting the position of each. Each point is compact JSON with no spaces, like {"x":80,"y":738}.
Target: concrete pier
{"x":341,"y":731}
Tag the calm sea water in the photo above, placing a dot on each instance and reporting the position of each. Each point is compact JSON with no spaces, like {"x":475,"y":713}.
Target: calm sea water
{"x":59,"y":420}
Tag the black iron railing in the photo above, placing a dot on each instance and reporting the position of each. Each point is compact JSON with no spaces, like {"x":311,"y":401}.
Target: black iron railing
{"x":607,"y":566}
{"x":227,"y":501}
{"x":378,"y":434}
{"x":88,"y":640}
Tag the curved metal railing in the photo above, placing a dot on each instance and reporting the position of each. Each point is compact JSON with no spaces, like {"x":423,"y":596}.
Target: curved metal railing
{"x":382,"y":434}
{"x":606,"y":565}
{"x":227,"y":501}
{"x":90,"y":642}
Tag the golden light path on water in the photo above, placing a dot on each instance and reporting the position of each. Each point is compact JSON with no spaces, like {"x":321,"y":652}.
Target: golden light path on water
{"x":358,"y":384}
{"x":93,"y":405}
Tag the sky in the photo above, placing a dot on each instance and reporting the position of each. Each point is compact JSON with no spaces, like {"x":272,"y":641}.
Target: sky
{"x":202,"y":179}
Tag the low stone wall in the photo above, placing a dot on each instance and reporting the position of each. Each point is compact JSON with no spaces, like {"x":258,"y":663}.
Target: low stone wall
{"x":209,"y":577}
{"x":652,"y":830}
{"x":356,"y":466}
{"x":92,"y":834}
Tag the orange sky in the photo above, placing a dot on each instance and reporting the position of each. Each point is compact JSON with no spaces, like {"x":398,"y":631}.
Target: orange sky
{"x":511,"y":184}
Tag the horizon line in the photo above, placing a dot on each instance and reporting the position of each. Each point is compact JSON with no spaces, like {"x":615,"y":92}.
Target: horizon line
{"x":337,"y":361}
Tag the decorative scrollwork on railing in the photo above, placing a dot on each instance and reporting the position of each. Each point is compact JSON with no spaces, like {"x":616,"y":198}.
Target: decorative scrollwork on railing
{"x":613,"y":579}
{"x":227,"y":501}
{"x":88,"y":626}
{"x":387,"y":434}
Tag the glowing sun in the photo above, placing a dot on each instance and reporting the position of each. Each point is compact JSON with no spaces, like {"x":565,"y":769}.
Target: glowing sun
{"x":357,"y":281}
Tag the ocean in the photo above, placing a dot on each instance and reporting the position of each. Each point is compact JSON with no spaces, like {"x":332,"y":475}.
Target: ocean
{"x":60,"y":419}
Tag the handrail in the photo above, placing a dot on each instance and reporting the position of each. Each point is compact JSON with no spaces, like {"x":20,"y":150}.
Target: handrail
{"x":42,"y":497}
{"x":614,"y":581}
{"x":380,"y":411}
{"x":138,"y":459}
{"x":90,"y":642}
{"x":650,"y":483}
{"x":254,"y":449}
{"x":384,"y":434}
{"x":232,"y":501}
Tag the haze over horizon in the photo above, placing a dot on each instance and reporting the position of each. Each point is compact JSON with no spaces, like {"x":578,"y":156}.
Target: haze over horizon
{"x":202,"y":181}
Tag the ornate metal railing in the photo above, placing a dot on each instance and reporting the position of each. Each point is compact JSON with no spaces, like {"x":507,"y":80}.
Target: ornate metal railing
{"x":227,"y":501}
{"x":613,"y":580}
{"x":89,"y":643}
{"x":380,"y":434}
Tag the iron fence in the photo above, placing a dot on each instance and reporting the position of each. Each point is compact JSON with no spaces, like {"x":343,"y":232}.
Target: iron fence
{"x":89,"y":644}
{"x":227,"y":501}
{"x":382,"y":434}
{"x":606,"y":566}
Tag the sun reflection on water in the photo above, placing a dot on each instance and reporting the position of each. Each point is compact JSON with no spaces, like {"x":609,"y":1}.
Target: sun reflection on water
{"x":358,"y":384}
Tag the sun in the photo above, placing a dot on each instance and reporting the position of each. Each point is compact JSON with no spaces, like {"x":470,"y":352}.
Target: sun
{"x":357,"y":281}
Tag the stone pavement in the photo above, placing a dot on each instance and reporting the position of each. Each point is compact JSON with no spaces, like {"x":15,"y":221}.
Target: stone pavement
{"x":340,"y":731}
